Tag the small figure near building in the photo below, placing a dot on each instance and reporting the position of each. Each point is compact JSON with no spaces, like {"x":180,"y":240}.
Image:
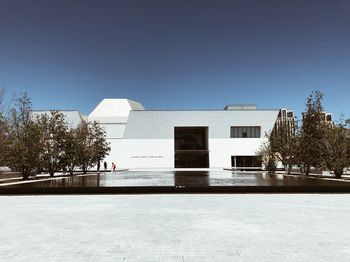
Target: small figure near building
{"x":113,"y":167}
{"x":105,"y":165}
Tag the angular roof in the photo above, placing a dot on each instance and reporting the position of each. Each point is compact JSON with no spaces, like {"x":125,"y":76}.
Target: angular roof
{"x":114,"y":110}
{"x":73,"y":117}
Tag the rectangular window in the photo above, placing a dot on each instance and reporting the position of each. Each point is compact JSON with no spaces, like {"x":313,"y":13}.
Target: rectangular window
{"x":245,"y":131}
{"x":246,"y":161}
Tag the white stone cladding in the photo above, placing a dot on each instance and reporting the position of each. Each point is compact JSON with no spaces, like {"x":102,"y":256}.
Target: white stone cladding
{"x":145,"y":138}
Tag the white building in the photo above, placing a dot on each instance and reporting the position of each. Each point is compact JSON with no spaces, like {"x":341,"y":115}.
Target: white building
{"x":142,"y":138}
{"x":72,"y":117}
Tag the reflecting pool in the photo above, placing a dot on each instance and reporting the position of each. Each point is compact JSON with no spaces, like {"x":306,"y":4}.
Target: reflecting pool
{"x":178,"y":179}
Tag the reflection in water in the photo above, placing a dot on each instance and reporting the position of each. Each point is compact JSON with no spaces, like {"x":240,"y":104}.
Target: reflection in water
{"x":180,"y":179}
{"x":71,"y":181}
{"x":237,"y":178}
{"x":191,"y":179}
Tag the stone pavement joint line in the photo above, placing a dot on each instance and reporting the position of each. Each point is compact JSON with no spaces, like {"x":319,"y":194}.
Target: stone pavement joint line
{"x":182,"y":228}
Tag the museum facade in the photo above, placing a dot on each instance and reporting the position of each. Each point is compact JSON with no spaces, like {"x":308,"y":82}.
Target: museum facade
{"x":225,"y":138}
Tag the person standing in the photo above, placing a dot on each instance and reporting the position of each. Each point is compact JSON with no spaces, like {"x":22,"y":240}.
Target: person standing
{"x":113,"y":166}
{"x":105,"y":165}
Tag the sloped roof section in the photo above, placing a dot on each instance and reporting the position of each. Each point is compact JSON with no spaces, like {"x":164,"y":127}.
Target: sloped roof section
{"x":73,"y":117}
{"x":114,"y":110}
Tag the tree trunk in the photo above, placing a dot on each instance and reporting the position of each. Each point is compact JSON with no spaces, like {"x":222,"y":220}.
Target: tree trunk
{"x":307,"y":170}
{"x":51,"y":172}
{"x":338,"y":173}
{"x":25,"y":173}
{"x":98,"y":165}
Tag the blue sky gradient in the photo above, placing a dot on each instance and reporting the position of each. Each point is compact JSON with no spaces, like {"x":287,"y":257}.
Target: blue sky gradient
{"x":176,"y":54}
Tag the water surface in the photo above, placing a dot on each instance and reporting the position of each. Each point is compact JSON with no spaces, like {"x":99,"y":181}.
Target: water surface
{"x":179,"y":179}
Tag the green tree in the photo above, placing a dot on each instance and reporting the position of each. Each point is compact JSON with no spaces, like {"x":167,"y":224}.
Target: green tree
{"x":100,"y":147}
{"x":3,"y":129}
{"x":85,"y":145}
{"x":283,"y":142}
{"x":24,"y":137}
{"x":54,"y":129}
{"x":267,"y":155}
{"x":336,"y":148}
{"x":91,"y":145}
{"x":312,"y":133}
{"x":3,"y":140}
{"x":70,"y":158}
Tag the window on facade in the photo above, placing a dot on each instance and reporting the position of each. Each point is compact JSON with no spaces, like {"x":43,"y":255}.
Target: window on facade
{"x":245,"y":131}
{"x":246,"y":161}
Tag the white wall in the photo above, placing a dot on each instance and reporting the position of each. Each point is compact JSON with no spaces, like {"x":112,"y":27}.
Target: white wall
{"x":159,"y":153}
{"x":145,"y":139}
{"x":114,"y":130}
{"x":221,"y":150}
{"x":141,"y":153}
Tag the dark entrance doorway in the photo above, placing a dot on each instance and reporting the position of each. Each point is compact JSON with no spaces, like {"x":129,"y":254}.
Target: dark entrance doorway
{"x":191,"y":147}
{"x":246,"y":162}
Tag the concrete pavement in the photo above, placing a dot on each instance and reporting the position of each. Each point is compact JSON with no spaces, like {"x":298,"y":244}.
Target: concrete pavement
{"x":254,"y":227}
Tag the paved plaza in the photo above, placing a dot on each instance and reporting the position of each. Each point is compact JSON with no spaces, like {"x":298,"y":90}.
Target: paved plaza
{"x":254,"y":227}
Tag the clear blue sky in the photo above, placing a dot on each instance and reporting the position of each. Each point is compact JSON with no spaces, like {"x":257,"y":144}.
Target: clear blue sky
{"x":179,"y":54}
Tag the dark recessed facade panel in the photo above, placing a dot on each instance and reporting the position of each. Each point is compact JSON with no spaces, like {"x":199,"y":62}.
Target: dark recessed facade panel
{"x":191,"y":147}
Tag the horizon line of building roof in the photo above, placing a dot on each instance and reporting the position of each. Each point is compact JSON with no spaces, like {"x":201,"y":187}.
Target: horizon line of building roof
{"x":234,"y":106}
{"x":137,"y":106}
